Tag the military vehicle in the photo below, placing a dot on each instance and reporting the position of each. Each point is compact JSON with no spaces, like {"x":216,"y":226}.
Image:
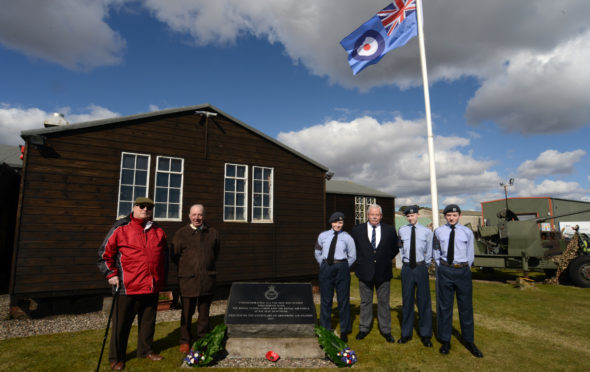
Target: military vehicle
{"x":522,"y":245}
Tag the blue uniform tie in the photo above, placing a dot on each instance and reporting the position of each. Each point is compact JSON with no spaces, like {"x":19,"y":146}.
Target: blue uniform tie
{"x":413,"y":248}
{"x":451,"y":247}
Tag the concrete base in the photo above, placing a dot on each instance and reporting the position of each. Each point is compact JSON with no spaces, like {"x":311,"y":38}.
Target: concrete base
{"x":287,"y":348}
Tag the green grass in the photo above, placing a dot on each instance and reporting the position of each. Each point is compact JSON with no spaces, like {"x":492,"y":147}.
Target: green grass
{"x":540,"y":328}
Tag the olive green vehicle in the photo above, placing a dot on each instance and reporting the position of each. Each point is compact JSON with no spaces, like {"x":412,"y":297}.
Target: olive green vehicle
{"x":521,"y":244}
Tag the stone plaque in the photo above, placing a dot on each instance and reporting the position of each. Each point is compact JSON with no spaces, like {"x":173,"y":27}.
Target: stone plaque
{"x":270,"y":310}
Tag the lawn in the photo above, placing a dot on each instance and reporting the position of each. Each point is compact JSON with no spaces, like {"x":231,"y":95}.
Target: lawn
{"x":540,"y":328}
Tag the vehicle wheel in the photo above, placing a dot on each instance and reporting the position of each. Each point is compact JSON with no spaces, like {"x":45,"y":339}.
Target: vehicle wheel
{"x":579,"y":270}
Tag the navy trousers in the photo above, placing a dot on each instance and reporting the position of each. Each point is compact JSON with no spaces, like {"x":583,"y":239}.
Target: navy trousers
{"x":451,"y":281}
{"x":415,"y":282}
{"x":335,"y":277}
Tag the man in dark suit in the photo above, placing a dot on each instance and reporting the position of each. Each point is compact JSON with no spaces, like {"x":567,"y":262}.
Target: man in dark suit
{"x":376,"y":247}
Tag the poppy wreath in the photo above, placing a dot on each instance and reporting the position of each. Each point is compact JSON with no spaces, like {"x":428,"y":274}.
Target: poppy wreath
{"x":205,"y":349}
{"x":336,"y":350}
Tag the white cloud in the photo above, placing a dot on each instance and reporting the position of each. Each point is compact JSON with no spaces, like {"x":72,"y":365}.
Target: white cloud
{"x":13,"y":120}
{"x":393,"y":157}
{"x":551,"y":188}
{"x":72,"y":33}
{"x":550,"y":162}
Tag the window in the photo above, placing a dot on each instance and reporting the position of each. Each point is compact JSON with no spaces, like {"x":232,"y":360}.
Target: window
{"x":133,"y":181}
{"x":235,"y":197}
{"x":168,"y":193}
{"x":262,"y":182}
{"x":361,"y":203}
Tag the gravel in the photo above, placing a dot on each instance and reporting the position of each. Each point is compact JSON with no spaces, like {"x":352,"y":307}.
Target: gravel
{"x":12,"y":328}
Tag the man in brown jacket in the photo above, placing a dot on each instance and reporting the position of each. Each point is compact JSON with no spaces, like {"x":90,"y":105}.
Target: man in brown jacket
{"x":195,"y":249}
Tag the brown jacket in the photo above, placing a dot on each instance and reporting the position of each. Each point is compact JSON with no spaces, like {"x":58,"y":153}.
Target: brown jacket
{"x":195,"y":253}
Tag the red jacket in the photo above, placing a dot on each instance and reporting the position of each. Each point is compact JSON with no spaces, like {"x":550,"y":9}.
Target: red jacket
{"x":136,"y":251}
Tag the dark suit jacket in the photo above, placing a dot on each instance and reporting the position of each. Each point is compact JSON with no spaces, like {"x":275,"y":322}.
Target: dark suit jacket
{"x":375,"y":265}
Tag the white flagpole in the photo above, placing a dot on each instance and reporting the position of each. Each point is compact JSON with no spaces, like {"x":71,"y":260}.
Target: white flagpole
{"x":433,"y":189}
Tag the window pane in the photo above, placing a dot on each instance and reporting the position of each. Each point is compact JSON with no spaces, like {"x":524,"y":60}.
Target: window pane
{"x":257,"y":173}
{"x":126,"y":193}
{"x":162,"y":179}
{"x":128,"y":161}
{"x":267,"y":173}
{"x":174,"y":196}
{"x":229,"y":213}
{"x":164,"y":164}
{"x":240,"y":214}
{"x":161,"y":194}
{"x":230,"y":185}
{"x":160,"y":210}
{"x":175,"y":180}
{"x":256,"y":214}
{"x":142,"y":162}
{"x":176,"y":165}
{"x":229,"y":198}
{"x":257,"y":186}
{"x":139,"y":191}
{"x":241,"y":171}
{"x":127,"y":177}
{"x":240,"y":185}
{"x":266,"y":214}
{"x":257,"y":200}
{"x":266,"y":188}
{"x":230,"y":170}
{"x":124,"y":208}
{"x":141,"y":177}
{"x":240,"y":200}
{"x":173,"y":210}
{"x":266,"y":200}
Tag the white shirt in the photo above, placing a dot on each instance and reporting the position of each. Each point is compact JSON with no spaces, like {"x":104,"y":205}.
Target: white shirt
{"x":377,"y":233}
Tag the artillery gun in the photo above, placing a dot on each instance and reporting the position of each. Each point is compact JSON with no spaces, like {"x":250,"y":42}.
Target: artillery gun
{"x":522,"y":245}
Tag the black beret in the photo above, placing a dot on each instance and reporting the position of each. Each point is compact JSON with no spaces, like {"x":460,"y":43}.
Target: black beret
{"x":452,"y":208}
{"x":411,"y":209}
{"x":336,"y":216}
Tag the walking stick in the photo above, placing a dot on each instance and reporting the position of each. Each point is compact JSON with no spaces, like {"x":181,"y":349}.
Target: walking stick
{"x":106,"y":332}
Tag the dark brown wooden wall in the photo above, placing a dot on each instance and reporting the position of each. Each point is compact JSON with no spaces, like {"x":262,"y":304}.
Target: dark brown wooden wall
{"x":345,"y":204}
{"x":70,"y":201}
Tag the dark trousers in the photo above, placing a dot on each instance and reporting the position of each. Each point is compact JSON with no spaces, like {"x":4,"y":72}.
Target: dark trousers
{"x":189,"y":304}
{"x":415,"y":282}
{"x":127,"y":306}
{"x":450,"y":280}
{"x":383,"y":308}
{"x":335,"y":276}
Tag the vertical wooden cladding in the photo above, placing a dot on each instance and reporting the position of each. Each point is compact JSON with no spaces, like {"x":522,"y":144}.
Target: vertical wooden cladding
{"x":70,"y":200}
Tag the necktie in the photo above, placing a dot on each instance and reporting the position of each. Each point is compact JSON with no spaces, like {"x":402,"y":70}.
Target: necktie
{"x":332,"y":248}
{"x":374,"y":238}
{"x":413,"y":248}
{"x":451,"y":248}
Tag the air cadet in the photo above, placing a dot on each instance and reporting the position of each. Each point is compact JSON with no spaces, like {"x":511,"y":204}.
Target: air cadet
{"x":416,"y":250}
{"x":454,"y":254}
{"x":335,"y":253}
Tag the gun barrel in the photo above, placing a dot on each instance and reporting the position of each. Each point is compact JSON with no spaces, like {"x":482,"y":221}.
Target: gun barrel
{"x":562,"y":215}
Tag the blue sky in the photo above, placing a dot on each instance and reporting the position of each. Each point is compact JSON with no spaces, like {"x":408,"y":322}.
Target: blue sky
{"x":508,"y":84}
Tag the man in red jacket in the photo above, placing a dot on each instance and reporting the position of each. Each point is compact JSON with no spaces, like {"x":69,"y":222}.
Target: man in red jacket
{"x":133,"y":258}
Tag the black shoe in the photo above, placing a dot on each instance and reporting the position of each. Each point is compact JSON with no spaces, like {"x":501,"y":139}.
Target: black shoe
{"x":389,"y":338}
{"x":361,"y":335}
{"x":403,"y":340}
{"x":473,"y":349}
{"x":344,"y":337}
{"x":426,"y":341}
{"x":445,"y":348}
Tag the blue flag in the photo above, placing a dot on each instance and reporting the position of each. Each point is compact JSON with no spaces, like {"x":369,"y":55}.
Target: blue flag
{"x":390,"y":28}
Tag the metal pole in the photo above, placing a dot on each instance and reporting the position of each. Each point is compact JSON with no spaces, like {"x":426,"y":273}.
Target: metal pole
{"x":433,"y":188}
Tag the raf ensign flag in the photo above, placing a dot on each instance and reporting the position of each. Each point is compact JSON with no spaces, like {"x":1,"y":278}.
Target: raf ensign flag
{"x":389,"y":29}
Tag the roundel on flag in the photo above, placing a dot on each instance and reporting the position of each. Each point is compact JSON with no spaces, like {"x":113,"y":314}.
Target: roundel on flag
{"x":368,"y":46}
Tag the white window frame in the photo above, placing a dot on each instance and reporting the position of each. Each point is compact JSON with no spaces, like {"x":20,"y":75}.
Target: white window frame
{"x":236,"y":178}
{"x":262,"y":193}
{"x":147,"y":181}
{"x":361,"y":203}
{"x":169,"y":172}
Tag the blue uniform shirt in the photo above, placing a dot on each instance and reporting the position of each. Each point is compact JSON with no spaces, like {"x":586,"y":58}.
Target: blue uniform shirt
{"x":423,"y":243}
{"x":345,"y":248}
{"x":464,"y":250}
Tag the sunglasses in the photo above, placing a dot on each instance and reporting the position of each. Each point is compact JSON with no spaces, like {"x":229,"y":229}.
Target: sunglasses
{"x":148,"y":206}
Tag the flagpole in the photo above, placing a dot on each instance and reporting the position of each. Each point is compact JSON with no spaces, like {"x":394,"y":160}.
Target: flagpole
{"x":433,"y":188}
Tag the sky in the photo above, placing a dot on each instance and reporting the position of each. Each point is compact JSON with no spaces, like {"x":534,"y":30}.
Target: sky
{"x":509,"y":84}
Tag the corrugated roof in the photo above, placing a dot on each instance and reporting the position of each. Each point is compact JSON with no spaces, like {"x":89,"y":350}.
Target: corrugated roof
{"x":122,"y":119}
{"x":10,"y":154}
{"x":351,"y":188}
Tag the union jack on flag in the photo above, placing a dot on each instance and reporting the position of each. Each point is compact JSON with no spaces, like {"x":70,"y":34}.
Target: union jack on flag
{"x":395,"y":13}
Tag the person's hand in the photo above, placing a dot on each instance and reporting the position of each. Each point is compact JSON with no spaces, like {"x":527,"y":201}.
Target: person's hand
{"x":114,"y":281}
